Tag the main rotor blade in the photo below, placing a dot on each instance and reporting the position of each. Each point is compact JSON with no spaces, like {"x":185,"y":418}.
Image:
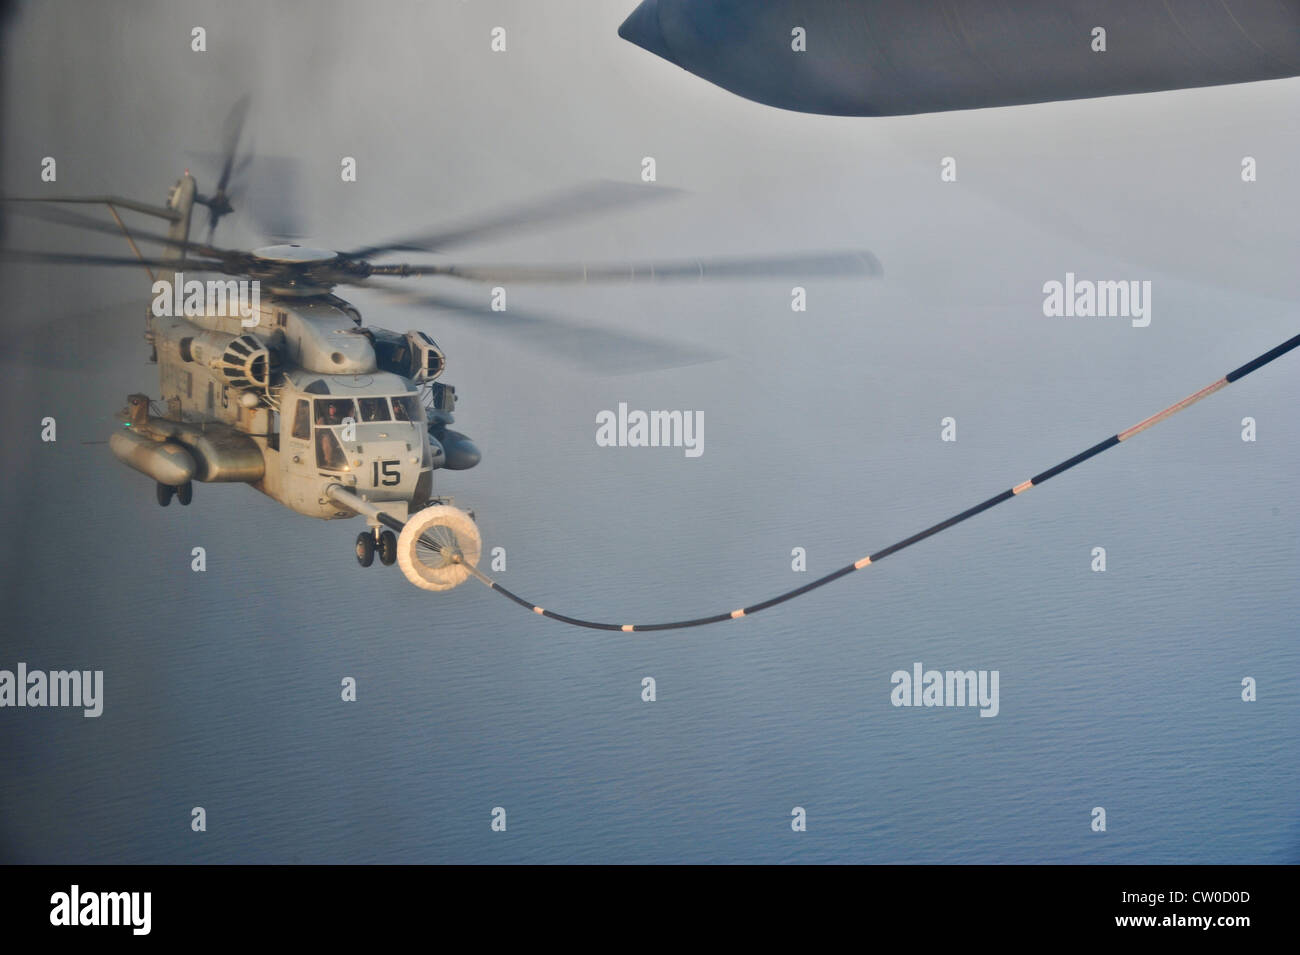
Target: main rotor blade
{"x":579,"y":202}
{"x":33,"y":209}
{"x":819,"y":265}
{"x":589,"y":348}
{"x":160,"y":212}
{"x":29,"y":256}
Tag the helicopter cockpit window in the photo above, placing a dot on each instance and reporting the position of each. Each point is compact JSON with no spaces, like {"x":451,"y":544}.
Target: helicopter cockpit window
{"x":373,"y":409}
{"x":408,"y":408}
{"x":332,"y":411}
{"x":329,"y":453}
{"x":301,"y":420}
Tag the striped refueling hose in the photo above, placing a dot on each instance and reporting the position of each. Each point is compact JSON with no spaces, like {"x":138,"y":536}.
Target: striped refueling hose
{"x":880,"y":555}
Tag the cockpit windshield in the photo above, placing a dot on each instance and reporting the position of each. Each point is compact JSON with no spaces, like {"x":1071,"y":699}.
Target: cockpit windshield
{"x":373,"y":409}
{"x":408,"y":408}
{"x":332,"y":411}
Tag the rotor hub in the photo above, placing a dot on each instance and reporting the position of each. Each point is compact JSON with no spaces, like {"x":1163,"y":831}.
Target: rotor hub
{"x":294,"y":255}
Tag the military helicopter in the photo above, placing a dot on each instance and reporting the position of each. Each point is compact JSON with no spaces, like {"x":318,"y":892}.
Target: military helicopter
{"x":270,"y":379}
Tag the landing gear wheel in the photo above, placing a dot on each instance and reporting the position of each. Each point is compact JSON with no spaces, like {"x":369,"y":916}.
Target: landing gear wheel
{"x":185,"y":493}
{"x":388,"y":548}
{"x":438,"y":546}
{"x":165,"y":492}
{"x":365,"y":548}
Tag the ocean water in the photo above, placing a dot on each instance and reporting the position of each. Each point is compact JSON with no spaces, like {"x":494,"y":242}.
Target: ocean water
{"x":1118,"y":689}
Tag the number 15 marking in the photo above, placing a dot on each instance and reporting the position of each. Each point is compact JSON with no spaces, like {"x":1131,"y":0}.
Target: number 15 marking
{"x":391,"y":476}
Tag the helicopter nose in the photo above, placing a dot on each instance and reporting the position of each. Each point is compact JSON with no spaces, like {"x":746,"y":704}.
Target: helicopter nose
{"x":642,"y":27}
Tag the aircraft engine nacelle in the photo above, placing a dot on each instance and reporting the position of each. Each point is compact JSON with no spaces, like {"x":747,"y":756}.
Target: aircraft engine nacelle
{"x":414,"y":355}
{"x":427,"y":359}
{"x":248,"y":362}
{"x":245,"y":361}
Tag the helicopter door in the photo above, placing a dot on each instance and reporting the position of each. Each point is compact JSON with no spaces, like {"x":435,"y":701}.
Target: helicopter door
{"x":302,"y":421}
{"x":297,"y":432}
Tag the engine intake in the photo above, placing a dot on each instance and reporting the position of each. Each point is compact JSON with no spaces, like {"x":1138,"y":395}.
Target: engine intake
{"x":244,"y":360}
{"x":247,"y":362}
{"x":414,"y":355}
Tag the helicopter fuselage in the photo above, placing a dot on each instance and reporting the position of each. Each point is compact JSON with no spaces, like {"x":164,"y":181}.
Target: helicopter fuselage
{"x":290,"y":396}
{"x":302,"y":386}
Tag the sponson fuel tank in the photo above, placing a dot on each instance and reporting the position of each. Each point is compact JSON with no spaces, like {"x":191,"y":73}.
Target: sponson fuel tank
{"x":164,"y":461}
{"x":895,"y":57}
{"x":173,"y":452}
{"x":221,"y":454}
{"x":461,"y":453}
